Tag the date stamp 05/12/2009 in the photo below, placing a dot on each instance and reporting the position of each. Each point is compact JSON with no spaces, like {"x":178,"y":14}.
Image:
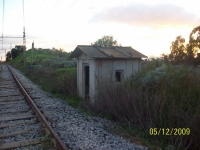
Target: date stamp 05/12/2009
{"x":169,"y":131}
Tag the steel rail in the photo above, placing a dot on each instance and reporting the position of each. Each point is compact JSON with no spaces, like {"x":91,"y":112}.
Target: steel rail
{"x":40,"y":116}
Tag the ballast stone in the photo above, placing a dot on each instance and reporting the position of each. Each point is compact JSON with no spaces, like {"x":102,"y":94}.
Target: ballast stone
{"x":74,"y":129}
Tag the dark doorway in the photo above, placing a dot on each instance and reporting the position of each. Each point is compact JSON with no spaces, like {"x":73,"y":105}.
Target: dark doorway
{"x":87,"y":79}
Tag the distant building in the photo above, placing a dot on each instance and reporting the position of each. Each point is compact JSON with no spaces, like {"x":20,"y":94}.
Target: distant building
{"x":98,"y":64}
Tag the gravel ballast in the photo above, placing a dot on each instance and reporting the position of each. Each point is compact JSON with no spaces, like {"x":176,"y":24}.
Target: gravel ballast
{"x":74,"y":129}
{"x":13,"y":128}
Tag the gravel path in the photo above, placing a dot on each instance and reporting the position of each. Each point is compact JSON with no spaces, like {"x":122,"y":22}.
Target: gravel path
{"x":75,"y":130}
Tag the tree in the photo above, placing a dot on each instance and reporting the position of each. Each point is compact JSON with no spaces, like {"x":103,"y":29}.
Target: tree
{"x":105,"y":41}
{"x":194,"y":41}
{"x":15,"y":52}
{"x":187,"y":54}
{"x":8,"y":56}
{"x":193,"y":46}
{"x":178,"y":50}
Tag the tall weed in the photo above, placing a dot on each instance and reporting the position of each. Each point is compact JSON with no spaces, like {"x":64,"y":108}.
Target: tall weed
{"x":163,"y":97}
{"x":61,"y":81}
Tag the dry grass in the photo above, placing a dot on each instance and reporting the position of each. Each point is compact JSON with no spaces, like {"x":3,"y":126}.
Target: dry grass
{"x":169,"y":102}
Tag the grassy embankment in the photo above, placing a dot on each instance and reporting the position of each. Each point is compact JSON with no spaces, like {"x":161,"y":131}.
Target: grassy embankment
{"x":161,"y":96}
{"x":47,"y":71}
{"x":61,"y":82}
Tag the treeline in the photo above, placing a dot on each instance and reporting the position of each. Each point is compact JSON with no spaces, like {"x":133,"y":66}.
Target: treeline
{"x":14,"y":52}
{"x":53,"y":52}
{"x":185,"y":53}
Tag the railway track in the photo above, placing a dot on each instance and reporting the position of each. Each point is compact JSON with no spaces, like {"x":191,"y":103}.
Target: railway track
{"x":22,"y":125}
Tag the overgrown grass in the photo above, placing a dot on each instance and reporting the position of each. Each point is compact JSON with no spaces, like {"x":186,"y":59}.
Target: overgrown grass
{"x":46,"y":58}
{"x":52,"y":71}
{"x":162,"y":97}
{"x":60,"y":82}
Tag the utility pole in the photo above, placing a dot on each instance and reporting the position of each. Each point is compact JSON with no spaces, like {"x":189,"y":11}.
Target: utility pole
{"x":5,"y":54}
{"x":11,"y":50}
{"x":32,"y":53}
{"x":24,"y":47}
{"x":2,"y":29}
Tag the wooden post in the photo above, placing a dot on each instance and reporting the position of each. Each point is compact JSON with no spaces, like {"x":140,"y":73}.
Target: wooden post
{"x":11,"y":50}
{"x":24,"y":47}
{"x":32,"y":53}
{"x":5,"y":54}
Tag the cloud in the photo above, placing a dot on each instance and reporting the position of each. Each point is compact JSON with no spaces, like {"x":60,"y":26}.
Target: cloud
{"x":137,"y":14}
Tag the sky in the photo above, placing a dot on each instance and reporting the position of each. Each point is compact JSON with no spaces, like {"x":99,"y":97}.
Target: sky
{"x":147,"y":26}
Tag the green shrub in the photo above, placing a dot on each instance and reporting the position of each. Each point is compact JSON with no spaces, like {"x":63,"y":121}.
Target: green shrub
{"x":163,"y":97}
{"x":61,"y":81}
{"x":57,"y":62}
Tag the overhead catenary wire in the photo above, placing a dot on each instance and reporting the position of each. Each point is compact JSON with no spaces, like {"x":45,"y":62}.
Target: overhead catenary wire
{"x":65,"y":10}
{"x":54,"y":6}
{"x":3,"y":19}
{"x":2,"y":23}
{"x":49,"y":11}
{"x":54,"y":20}
{"x":23,"y":20}
{"x":3,"y":37}
{"x":39,"y":7}
{"x":23,"y":13}
{"x":24,"y":36}
{"x":2,"y":29}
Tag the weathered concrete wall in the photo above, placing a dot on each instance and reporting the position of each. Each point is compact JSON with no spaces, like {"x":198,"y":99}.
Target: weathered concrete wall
{"x":83,"y":61}
{"x":106,"y":71}
{"x":102,"y":70}
{"x":92,"y":79}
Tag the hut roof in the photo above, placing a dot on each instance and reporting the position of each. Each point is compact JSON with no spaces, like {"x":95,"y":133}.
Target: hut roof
{"x":106,"y":52}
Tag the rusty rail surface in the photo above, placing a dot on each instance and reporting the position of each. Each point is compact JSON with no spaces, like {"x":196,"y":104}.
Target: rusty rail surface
{"x":40,"y":116}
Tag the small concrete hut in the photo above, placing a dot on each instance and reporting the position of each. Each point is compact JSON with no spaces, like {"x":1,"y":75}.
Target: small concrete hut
{"x":98,"y":64}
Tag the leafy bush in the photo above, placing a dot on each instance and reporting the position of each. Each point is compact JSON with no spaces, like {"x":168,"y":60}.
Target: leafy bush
{"x":57,"y":62}
{"x":34,"y":67}
{"x":61,"y":81}
{"x":162,"y":97}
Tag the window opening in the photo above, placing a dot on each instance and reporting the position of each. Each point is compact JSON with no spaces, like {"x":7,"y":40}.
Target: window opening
{"x":118,"y":75}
